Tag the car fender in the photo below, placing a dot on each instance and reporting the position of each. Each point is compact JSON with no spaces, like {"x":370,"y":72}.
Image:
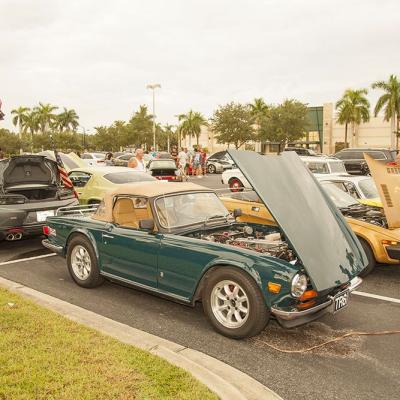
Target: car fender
{"x":86,"y":233}
{"x":222,"y":263}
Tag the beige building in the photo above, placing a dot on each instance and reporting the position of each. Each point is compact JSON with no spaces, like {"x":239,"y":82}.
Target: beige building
{"x":374,"y":134}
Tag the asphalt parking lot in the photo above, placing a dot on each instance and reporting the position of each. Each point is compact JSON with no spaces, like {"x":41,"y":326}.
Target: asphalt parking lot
{"x":359,"y":367}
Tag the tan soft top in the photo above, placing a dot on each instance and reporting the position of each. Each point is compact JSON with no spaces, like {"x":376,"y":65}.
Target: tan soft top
{"x":142,"y":189}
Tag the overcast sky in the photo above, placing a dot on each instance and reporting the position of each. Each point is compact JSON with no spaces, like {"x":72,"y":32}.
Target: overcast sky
{"x":97,"y":56}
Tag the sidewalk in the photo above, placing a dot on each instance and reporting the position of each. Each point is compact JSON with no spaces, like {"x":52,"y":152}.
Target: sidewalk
{"x":227,"y":382}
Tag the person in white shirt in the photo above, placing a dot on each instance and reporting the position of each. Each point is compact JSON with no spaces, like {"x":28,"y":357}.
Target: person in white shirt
{"x":137,"y":162}
{"x":183,"y":161}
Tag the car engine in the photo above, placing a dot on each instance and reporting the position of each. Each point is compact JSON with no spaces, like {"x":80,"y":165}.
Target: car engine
{"x":248,"y":238}
{"x":369,"y":214}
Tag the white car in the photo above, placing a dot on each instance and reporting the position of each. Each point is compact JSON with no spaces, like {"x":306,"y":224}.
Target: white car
{"x":94,"y":159}
{"x":319,"y":166}
{"x":360,"y":187}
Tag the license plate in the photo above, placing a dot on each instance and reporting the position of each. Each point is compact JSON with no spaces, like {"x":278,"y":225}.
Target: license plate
{"x":42,"y":215}
{"x":340,"y":301}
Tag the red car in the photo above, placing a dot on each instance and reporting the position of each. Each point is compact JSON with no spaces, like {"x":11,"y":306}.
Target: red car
{"x":164,"y":169}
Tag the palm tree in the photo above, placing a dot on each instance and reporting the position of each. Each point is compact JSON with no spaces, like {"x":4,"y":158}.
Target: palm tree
{"x":353,"y":109}
{"x":190,"y":124}
{"x":45,"y":116}
{"x":31,"y":124}
{"x":169,"y":132}
{"x":20,"y":115}
{"x":68,"y":119}
{"x":258,"y":108}
{"x":390,"y":101}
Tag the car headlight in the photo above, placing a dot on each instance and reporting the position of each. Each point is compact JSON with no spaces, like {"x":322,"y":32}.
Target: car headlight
{"x":299,"y":285}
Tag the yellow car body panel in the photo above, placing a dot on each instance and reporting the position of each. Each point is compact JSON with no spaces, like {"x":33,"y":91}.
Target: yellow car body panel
{"x":257,"y":213}
{"x":376,"y":202}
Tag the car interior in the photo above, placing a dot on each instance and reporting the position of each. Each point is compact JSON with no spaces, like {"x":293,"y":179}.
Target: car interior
{"x":129,"y":211}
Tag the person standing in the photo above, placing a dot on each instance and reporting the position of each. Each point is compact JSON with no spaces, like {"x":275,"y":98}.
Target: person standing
{"x":108,"y":161}
{"x":183,"y":162}
{"x":137,"y":162}
{"x":153,"y":153}
{"x":174,"y":154}
{"x":203,"y":160}
{"x":197,"y":163}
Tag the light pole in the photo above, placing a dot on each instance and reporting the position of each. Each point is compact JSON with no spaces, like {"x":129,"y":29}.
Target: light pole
{"x":154,"y":86}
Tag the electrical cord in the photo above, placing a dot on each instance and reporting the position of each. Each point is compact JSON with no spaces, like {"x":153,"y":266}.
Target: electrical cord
{"x":346,"y":335}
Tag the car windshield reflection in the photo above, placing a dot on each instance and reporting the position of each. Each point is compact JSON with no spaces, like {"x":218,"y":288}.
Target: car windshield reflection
{"x":189,"y":208}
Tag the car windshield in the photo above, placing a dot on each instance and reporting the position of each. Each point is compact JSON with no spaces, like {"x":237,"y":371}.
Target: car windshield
{"x":337,"y":167}
{"x":71,"y":164}
{"x":318,"y":167}
{"x":339,"y":197}
{"x":164,"y":164}
{"x":368,"y":188}
{"x":99,"y":155}
{"x":189,"y":208}
{"x":128,"y":177}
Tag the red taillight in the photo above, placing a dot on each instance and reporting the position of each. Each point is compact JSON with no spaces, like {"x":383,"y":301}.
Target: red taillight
{"x":46,"y":230}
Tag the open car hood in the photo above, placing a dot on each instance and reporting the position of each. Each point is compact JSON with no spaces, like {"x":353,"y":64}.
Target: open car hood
{"x":314,"y":227}
{"x":28,"y":169}
{"x":386,"y":175}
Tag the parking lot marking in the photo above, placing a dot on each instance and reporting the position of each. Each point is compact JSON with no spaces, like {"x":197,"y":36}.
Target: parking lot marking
{"x":377,"y":296}
{"x":27,"y":259}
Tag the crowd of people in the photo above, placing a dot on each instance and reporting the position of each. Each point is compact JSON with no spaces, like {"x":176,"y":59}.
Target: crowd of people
{"x":188,"y":162}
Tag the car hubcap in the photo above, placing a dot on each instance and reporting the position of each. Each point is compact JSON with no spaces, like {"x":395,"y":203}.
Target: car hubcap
{"x":230,"y":304}
{"x":235,"y":186}
{"x":81,"y":262}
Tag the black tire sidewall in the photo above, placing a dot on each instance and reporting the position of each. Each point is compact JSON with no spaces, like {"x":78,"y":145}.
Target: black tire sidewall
{"x":259,"y":313}
{"x":94,"y":279}
{"x":370,"y":257}
{"x":211,"y":169}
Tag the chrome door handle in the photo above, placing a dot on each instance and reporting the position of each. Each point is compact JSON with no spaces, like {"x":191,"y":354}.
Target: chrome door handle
{"x":107,"y":236}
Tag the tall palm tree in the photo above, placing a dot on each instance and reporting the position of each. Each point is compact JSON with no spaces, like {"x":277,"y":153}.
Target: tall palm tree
{"x":20,"y":115}
{"x":68,"y":119}
{"x":258,"y":108}
{"x":353,"y":109}
{"x":390,"y":101}
{"x":45,"y":116}
{"x":190,"y":124}
{"x":31,"y":125}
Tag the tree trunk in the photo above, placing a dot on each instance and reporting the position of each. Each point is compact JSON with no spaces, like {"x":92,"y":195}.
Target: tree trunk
{"x":353,"y":135}
{"x":346,"y":145}
{"x":393,"y":131}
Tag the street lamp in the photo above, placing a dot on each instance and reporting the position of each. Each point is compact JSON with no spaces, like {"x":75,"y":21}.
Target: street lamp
{"x":154,"y":86}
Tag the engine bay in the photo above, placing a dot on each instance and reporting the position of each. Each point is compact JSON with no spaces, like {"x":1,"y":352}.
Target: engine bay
{"x":266,"y":241}
{"x":368,"y":214}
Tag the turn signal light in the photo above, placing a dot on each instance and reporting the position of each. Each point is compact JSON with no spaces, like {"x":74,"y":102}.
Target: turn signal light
{"x":46,"y":230}
{"x":274,"y":287}
{"x":308,"y":294}
{"x":304,"y":306}
{"x":390,"y":242}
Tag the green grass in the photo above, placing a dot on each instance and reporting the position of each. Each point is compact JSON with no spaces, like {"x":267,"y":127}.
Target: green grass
{"x":46,"y":356}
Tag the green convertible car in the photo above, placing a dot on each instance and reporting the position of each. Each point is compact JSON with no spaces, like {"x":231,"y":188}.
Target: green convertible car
{"x":179,"y":241}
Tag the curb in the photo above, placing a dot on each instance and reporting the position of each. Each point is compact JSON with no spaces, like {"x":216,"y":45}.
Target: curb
{"x":225,"y":381}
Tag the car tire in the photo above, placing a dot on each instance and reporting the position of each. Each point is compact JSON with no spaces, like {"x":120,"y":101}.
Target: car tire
{"x":231,"y":318}
{"x":370,"y":257}
{"x":235,"y":185}
{"x":211,"y":169}
{"x":82,"y":262}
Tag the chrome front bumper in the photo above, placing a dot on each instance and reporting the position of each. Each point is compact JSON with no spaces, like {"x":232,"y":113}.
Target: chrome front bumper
{"x":291,"y":315}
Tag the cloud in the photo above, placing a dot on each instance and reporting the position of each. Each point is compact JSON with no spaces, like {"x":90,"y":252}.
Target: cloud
{"x":98,"y":56}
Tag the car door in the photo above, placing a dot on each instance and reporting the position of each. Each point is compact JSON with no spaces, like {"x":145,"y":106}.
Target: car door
{"x":127,"y":252}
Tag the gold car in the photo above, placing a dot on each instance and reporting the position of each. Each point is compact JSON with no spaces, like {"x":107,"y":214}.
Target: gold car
{"x":380,"y":243}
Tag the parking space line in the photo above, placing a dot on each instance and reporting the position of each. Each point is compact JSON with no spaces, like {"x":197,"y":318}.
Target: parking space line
{"x":377,"y":296}
{"x":27,"y":259}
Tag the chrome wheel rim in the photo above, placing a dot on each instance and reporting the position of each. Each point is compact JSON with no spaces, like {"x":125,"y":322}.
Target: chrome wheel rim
{"x":230,"y":304}
{"x":81,"y":262}
{"x":236,"y":186}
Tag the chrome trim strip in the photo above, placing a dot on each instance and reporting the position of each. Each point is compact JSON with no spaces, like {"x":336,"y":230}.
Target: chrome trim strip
{"x":142,"y":286}
{"x":53,"y":247}
{"x":289,"y":315}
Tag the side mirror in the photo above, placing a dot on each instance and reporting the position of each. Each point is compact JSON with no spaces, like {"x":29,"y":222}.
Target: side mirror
{"x":146,"y":224}
{"x":237,"y":212}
